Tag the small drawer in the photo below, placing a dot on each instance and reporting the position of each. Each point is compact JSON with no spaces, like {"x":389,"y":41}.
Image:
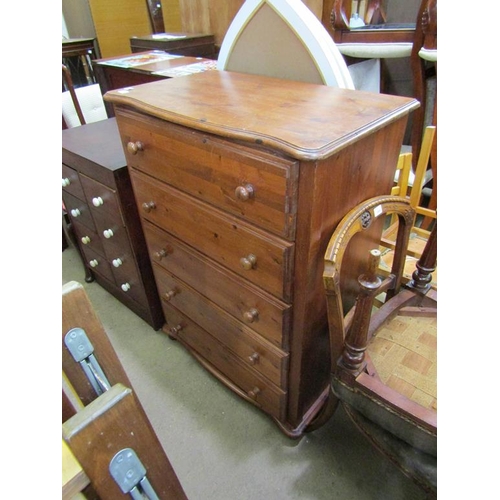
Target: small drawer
{"x":112,"y":232}
{"x":71,"y":182}
{"x":259,"y":310}
{"x":227,"y":367}
{"x":251,"y":348}
{"x":88,"y":238}
{"x":125,"y":271}
{"x":100,"y":197}
{"x":78,"y":210}
{"x":254,"y":185}
{"x":259,"y":257}
{"x":97,"y":262}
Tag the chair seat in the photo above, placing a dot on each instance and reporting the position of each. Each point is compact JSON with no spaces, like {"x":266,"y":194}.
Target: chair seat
{"x":376,"y":50}
{"x":428,"y":54}
{"x":404,"y":355}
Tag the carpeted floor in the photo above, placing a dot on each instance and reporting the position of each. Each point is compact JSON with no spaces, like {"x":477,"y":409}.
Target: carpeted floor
{"x":220,"y":446}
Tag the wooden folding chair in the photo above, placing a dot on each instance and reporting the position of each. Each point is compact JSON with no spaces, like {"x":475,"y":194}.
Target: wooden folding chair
{"x":104,"y":423}
{"x":421,"y":229}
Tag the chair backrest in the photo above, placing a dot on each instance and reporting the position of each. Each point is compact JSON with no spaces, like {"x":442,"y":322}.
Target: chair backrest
{"x":83,"y":104}
{"x":421,"y":178}
{"x":282,"y":39}
{"x":358,"y":220}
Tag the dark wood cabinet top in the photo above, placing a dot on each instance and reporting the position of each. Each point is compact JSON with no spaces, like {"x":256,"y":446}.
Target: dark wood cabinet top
{"x":97,"y":142}
{"x":306,"y":121}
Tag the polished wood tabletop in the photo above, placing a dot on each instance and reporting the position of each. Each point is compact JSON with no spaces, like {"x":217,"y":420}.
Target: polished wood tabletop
{"x":294,"y":117}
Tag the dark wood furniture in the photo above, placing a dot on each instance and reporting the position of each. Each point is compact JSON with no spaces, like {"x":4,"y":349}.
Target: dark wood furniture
{"x":112,"y":76}
{"x":240,"y":181}
{"x":98,"y":197}
{"x":422,"y":70}
{"x":185,"y":44}
{"x":376,"y":29}
{"x":384,"y":363}
{"x":78,"y":54}
{"x":103,"y":427}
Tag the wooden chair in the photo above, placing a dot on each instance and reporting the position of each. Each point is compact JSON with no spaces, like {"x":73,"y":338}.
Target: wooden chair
{"x":384,"y":360}
{"x":104,"y":423}
{"x":81,"y":105}
{"x":367,"y":45}
{"x":419,"y":196}
{"x":423,"y":62}
{"x":282,"y":39}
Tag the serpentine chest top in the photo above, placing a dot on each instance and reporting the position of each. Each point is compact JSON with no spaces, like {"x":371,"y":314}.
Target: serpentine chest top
{"x":240,"y":181}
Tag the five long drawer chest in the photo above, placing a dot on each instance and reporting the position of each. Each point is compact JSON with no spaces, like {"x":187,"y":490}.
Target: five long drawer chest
{"x":240,"y":181}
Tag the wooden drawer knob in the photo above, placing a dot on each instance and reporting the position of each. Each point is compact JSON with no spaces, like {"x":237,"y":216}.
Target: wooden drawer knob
{"x":160,"y":254}
{"x":253,"y":393}
{"x":248,"y":262}
{"x":147,"y":206}
{"x":254,"y":358}
{"x":245,"y":192}
{"x":134,"y":147}
{"x":251,"y":315}
{"x":167,"y":296}
{"x":173,"y":332}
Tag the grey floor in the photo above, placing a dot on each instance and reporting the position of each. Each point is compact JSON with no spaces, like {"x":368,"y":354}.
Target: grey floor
{"x":221,"y":447}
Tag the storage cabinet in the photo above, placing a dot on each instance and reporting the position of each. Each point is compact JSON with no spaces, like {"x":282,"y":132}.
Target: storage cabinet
{"x":98,"y":197}
{"x":240,"y":181}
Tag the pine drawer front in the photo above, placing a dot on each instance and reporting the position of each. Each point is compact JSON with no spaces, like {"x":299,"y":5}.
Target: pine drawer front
{"x":71,"y":182}
{"x":260,"y":258}
{"x":97,"y":262}
{"x":230,"y":369}
{"x":78,"y":210}
{"x":257,"y":186}
{"x":100,"y":198}
{"x":88,"y":237}
{"x":259,"y":310}
{"x":249,"y":346}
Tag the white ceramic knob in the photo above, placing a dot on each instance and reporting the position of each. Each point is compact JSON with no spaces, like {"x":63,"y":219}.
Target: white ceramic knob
{"x":94,"y":263}
{"x":117,"y":262}
{"x":97,"y":201}
{"x":125,"y":287}
{"x":65,"y":182}
{"x":75,"y":212}
{"x":108,"y":233}
{"x":85,"y":240}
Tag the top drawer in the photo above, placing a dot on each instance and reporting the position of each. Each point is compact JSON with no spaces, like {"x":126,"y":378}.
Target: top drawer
{"x":254,"y":185}
{"x":71,"y":182}
{"x":100,"y":197}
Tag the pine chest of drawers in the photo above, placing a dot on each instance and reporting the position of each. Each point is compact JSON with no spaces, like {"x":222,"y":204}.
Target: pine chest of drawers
{"x":98,"y":197}
{"x":240,"y":181}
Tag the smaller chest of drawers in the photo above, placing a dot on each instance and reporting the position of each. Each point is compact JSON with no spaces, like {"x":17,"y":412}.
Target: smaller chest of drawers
{"x":97,"y":195}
